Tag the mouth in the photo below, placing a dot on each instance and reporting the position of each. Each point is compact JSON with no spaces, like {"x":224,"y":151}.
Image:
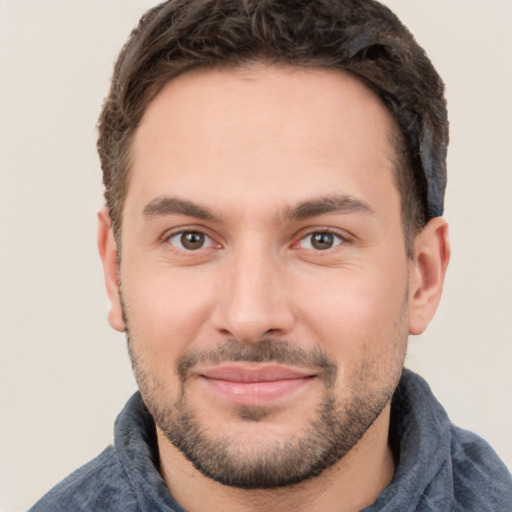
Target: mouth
{"x":254,"y":384}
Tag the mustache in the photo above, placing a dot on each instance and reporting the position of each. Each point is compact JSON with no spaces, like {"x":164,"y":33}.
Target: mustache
{"x":264,"y":351}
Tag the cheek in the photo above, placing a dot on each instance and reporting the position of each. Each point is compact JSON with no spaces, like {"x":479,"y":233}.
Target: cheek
{"x":353,"y":311}
{"x":362,"y":325}
{"x":166,"y":310}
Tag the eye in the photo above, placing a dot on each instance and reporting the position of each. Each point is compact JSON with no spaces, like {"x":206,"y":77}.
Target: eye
{"x":190,"y":240}
{"x":320,"y":241}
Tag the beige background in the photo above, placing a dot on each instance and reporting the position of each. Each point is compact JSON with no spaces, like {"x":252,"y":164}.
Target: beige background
{"x":64,"y":374}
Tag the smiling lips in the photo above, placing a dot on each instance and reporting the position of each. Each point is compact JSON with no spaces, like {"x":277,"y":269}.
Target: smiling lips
{"x":244,"y":384}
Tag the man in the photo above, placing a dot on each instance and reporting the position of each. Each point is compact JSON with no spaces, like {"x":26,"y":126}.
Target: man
{"x":274,"y":179}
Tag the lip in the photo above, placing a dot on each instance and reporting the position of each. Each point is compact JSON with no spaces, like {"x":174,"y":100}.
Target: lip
{"x":254,"y":384}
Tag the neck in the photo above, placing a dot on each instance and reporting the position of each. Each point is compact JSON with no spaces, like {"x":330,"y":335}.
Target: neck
{"x":351,"y":484}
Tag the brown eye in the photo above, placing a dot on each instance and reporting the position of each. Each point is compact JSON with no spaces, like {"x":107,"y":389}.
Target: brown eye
{"x":190,"y":240}
{"x":321,"y":241}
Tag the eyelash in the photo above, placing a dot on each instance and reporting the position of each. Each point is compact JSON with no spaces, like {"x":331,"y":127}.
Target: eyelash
{"x":208,"y":239}
{"x":341,"y":240}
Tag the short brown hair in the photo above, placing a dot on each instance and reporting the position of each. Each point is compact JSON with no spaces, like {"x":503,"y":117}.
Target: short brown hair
{"x":362,"y":37}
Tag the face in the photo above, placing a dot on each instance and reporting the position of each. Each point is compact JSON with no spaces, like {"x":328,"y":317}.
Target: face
{"x":264,"y":276}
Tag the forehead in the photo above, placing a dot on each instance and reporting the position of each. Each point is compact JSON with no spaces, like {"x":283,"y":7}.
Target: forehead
{"x":272,"y":133}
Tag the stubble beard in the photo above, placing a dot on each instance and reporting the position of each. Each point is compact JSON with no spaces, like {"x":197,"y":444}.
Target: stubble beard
{"x":336,"y":427}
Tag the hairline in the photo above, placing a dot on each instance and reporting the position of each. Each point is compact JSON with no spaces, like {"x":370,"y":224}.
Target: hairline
{"x":396,"y":139}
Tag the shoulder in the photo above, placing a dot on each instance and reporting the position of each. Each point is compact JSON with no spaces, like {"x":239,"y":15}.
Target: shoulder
{"x":99,"y":485}
{"x":481,"y":480}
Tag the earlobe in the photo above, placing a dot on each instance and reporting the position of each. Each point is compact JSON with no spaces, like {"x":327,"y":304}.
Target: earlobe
{"x":431,"y":257}
{"x":108,"y":253}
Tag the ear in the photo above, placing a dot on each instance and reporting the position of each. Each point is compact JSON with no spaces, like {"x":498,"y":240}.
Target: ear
{"x":431,"y":257}
{"x":108,"y":252}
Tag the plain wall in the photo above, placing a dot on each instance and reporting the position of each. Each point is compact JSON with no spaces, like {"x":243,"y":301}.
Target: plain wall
{"x":64,"y":374}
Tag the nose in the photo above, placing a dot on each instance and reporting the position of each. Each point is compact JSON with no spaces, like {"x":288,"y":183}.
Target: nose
{"x":254,"y":299}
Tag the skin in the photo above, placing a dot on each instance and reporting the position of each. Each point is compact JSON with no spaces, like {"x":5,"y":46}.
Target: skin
{"x":247,"y":148}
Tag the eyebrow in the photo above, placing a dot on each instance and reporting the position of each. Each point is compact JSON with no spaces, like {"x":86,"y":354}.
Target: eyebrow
{"x":330,"y":204}
{"x":342,"y":204}
{"x":161,"y":206}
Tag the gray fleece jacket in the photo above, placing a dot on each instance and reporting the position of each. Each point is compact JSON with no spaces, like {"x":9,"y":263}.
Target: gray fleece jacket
{"x":440,"y":467}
